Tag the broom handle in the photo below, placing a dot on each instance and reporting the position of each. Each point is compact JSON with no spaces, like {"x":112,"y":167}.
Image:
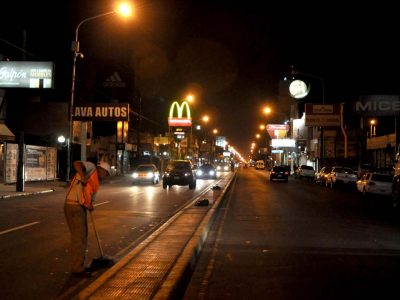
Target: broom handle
{"x":95,"y":232}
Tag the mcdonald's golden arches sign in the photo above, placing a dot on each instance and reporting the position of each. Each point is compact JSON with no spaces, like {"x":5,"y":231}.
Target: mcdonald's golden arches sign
{"x":179,"y":120}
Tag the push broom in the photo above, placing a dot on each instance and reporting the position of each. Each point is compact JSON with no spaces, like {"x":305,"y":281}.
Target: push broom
{"x":102,"y":261}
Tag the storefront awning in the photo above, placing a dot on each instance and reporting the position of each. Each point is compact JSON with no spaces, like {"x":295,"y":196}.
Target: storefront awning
{"x":5,"y":133}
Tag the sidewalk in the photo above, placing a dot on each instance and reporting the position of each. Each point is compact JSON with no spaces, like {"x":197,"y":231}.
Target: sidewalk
{"x":30,"y":188}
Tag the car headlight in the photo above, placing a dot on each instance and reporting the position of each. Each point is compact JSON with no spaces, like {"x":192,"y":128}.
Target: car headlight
{"x":218,"y":168}
{"x":135,"y":175}
{"x":199,"y":172}
{"x":226,"y":168}
{"x":150,"y":175}
{"x":211,"y":173}
{"x":187,"y":174}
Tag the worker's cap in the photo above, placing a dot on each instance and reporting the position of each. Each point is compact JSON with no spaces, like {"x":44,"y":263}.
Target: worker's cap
{"x":105,"y":166}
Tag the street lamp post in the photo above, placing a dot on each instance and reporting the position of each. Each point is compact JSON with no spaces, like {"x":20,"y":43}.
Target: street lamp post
{"x":323,"y":102}
{"x":372,"y":131}
{"x":123,"y":9}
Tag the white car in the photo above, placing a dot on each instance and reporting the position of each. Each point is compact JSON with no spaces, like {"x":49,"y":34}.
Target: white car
{"x":375,"y":183}
{"x":341,"y":176}
{"x":223,"y":168}
{"x":146,"y":173}
{"x":305,"y":172}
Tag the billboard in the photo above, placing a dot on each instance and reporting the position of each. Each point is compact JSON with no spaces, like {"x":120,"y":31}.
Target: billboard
{"x":322,"y":115}
{"x":377,"y":105}
{"x":26,"y":74}
{"x":40,"y":163}
{"x":276,"y":131}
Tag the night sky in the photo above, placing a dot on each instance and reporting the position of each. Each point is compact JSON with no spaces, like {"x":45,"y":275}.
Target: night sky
{"x":230,"y":54}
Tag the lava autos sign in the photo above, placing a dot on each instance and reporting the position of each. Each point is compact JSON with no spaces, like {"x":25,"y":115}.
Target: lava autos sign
{"x":101,"y":112}
{"x":179,"y":120}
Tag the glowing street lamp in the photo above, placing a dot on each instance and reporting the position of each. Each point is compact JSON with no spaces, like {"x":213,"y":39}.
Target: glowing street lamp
{"x":205,"y":119}
{"x":123,"y":9}
{"x":372,"y":131}
{"x":268,"y":111}
{"x":190,"y":98}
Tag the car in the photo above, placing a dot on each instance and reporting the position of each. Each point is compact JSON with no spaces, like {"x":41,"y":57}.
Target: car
{"x":179,"y":172}
{"x":320,"y":177}
{"x":223,"y":167}
{"x":260,"y":165}
{"x":206,"y":171}
{"x":305,"y":171}
{"x":375,"y":183}
{"x":146,"y":173}
{"x":341,"y":175}
{"x":279,"y":173}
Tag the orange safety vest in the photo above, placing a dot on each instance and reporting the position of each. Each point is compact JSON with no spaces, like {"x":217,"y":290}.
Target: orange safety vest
{"x":85,"y":194}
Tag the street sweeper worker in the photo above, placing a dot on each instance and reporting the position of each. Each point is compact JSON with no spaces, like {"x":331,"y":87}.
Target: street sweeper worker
{"x":79,"y":199}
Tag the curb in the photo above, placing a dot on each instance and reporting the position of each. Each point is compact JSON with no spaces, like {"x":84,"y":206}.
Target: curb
{"x":26,"y":194}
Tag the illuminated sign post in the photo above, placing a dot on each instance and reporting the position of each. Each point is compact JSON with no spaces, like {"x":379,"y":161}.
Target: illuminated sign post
{"x":180,"y":120}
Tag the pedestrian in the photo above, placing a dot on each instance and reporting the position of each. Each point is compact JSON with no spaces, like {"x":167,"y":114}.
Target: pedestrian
{"x":79,"y":199}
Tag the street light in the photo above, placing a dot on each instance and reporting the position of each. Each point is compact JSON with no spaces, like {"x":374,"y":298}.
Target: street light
{"x":268,"y":111}
{"x":123,"y":9}
{"x":205,"y":119}
{"x":372,"y":131}
{"x":323,"y":102}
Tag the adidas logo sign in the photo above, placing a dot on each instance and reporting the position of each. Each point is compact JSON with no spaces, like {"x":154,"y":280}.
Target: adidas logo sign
{"x":114,"y":81}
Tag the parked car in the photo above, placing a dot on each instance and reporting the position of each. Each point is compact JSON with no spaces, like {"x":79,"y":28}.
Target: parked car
{"x":374,"y":183}
{"x":206,"y":171}
{"x":341,"y":175}
{"x":320,"y":177}
{"x":305,"y":171}
{"x":146,"y":173}
{"x":260,"y":165}
{"x":279,"y":173}
{"x":179,"y":172}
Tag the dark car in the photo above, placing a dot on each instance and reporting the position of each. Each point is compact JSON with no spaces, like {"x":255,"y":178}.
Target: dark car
{"x":279,"y":173}
{"x":206,"y":171}
{"x":179,"y":172}
{"x":320,"y":177}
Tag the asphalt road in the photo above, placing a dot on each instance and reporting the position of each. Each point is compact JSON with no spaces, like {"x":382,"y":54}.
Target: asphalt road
{"x":34,"y":238}
{"x":297,"y":240}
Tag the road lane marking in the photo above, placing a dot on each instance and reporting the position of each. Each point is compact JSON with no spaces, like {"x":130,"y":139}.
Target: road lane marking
{"x":19,"y":227}
{"x":101,"y":203}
